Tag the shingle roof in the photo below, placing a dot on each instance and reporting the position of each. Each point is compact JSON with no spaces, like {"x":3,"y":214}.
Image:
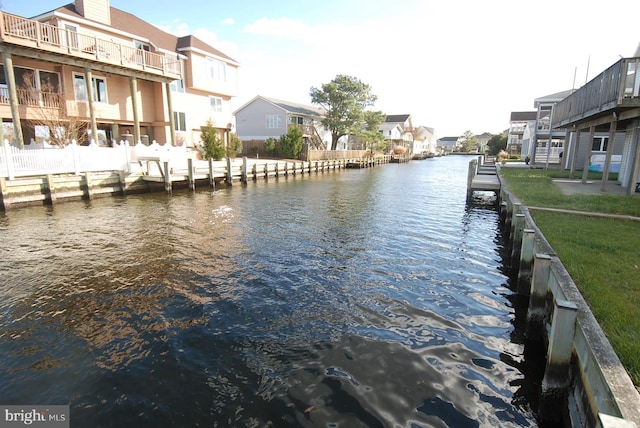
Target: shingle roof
{"x":397,"y":118}
{"x":292,"y":107}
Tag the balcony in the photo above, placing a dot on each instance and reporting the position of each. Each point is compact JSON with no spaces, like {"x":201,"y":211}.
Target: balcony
{"x":18,"y":31}
{"x":617,"y":89}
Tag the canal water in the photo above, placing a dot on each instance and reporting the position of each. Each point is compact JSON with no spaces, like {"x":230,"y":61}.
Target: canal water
{"x":355,"y":298}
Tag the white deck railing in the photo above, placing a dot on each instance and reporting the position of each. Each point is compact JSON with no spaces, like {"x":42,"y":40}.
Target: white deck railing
{"x":42,"y":158}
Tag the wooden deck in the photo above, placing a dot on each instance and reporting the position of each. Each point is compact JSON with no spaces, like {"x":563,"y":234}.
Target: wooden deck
{"x":482,"y":177}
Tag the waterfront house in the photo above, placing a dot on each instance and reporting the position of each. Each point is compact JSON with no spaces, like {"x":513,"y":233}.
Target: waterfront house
{"x":520,"y":122}
{"x":145,"y":84}
{"x":546,"y":141}
{"x":609,"y":103}
{"x":398,"y":130}
{"x":263,"y":118}
{"x":423,"y":140}
{"x":448,"y":144}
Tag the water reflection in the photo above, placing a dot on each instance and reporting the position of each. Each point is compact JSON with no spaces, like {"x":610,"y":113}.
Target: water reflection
{"x":358,"y":298}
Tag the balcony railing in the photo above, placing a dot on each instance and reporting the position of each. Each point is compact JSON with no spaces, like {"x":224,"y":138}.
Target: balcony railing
{"x":617,"y":86}
{"x":26,"y":32}
{"x":32,"y":97}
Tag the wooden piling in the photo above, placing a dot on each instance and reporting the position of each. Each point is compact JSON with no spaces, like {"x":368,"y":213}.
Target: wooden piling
{"x":555,"y":384}
{"x":212,"y":180}
{"x":167,"y":178}
{"x":49,"y":189}
{"x":526,"y":261}
{"x":190,"y":172}
{"x":536,"y":312}
{"x":244,"y":170}
{"x":87,"y":185}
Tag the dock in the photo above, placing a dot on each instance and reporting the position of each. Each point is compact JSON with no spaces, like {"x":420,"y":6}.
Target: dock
{"x":482,"y":177}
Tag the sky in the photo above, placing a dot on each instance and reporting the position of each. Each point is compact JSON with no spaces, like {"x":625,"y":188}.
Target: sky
{"x":454,"y":65}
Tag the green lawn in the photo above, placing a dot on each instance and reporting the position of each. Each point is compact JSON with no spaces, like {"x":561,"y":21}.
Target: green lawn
{"x":602,"y":255}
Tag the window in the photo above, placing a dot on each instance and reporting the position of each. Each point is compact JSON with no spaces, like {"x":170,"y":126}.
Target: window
{"x":179,"y":120}
{"x":296,"y":120}
{"x":216,"y":70}
{"x":544,"y":118}
{"x":177,"y":86}
{"x":273,"y":121}
{"x":99,"y":85}
{"x":599,"y":144}
{"x":215,"y":104}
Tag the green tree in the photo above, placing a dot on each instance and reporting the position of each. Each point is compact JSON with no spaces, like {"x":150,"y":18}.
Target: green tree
{"x":290,"y":145}
{"x":212,"y":146}
{"x":344,"y":99}
{"x":234,"y":147}
{"x":371,"y":134}
{"x":269,"y":146}
{"x":497,"y":143}
{"x":468,"y":141}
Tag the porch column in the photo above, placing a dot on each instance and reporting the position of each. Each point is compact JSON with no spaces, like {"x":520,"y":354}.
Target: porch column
{"x":607,"y":163}
{"x":574,"y":156}
{"x":13,"y":97}
{"x":133,"y":84}
{"x":587,"y":154}
{"x":635,"y":168}
{"x":566,"y":149}
{"x":172,"y":124}
{"x":88,"y":81}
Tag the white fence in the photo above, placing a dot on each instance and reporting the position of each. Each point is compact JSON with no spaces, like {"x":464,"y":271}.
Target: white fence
{"x":43,"y":158}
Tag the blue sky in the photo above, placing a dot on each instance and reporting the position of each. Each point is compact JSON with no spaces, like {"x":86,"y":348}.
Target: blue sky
{"x":454,"y":65}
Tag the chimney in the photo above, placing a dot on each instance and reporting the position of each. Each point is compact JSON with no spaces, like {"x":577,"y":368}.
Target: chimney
{"x":96,"y":10}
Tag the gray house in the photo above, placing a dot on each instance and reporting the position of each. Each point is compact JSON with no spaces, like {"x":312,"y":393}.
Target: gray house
{"x":263,"y":118}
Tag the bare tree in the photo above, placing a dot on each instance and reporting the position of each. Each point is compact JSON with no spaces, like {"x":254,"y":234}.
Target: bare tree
{"x":49,"y":114}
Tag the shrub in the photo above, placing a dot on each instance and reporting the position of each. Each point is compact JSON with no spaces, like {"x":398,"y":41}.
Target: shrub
{"x":212,"y":146}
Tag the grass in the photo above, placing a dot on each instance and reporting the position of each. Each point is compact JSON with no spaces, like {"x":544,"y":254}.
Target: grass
{"x":600,"y":254}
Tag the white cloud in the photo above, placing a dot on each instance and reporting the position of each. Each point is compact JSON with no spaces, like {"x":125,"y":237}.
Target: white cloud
{"x":229,"y":21}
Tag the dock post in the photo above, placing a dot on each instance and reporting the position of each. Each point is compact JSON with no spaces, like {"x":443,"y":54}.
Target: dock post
{"x":266,"y":171}
{"x":229,"y":176}
{"x":192,"y":183}
{"x":536,"y":312}
{"x":519,"y":222}
{"x":471,"y":172}
{"x":276,"y":170}
{"x":244,"y":170}
{"x":167,"y":178}
{"x":50,"y":193}
{"x":516,"y":208}
{"x":123,"y":182}
{"x":87,"y":185}
{"x":254,"y":171}
{"x":212,"y":180}
{"x":556,"y":374}
{"x":3,"y":191}
{"x":526,"y":260}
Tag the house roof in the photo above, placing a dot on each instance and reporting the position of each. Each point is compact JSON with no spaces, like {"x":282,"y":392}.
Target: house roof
{"x":124,"y":21}
{"x":444,"y":139}
{"x":290,"y":107}
{"x":552,"y":98}
{"x":523,"y":116}
{"x":397,"y":118}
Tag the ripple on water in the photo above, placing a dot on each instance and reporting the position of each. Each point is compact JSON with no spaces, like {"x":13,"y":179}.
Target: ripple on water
{"x":361,"y":298}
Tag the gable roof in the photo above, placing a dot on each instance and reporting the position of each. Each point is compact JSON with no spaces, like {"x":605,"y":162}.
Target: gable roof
{"x":127,"y":22}
{"x":289,"y":106}
{"x":397,"y":118}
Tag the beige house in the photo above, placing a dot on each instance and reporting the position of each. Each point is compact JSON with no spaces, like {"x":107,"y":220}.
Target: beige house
{"x":146,"y":84}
